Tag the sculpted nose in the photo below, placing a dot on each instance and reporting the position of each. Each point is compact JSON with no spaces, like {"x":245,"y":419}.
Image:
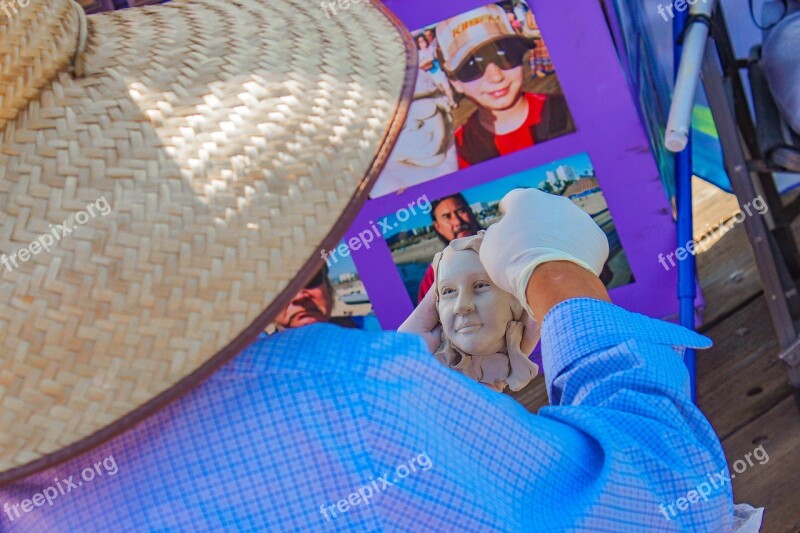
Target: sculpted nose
{"x":464,"y":304}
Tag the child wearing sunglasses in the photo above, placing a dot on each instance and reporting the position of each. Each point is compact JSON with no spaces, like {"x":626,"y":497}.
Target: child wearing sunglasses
{"x":483,"y":56}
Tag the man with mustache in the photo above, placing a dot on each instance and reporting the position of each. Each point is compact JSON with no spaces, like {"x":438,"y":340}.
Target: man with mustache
{"x":452,"y":219}
{"x":312,"y":304}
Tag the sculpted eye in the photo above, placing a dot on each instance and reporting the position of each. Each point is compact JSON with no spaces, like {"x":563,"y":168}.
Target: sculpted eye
{"x":446,"y":291}
{"x":482,"y":285}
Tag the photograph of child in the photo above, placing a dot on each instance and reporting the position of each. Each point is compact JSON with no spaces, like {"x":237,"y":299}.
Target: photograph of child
{"x":426,"y":147}
{"x":495,"y":92}
{"x":415,"y":241}
{"x":484,"y":53}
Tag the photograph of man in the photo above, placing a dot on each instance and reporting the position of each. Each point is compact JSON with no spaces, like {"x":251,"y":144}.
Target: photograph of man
{"x":313,"y":303}
{"x":452,"y":219}
{"x":328,"y":297}
{"x":484,"y":58}
{"x":416,"y":240}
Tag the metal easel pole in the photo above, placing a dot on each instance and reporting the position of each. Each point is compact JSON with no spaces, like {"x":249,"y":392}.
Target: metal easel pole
{"x":688,"y":56}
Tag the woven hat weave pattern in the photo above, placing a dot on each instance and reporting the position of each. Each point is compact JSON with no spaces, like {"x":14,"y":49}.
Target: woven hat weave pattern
{"x":231,"y":140}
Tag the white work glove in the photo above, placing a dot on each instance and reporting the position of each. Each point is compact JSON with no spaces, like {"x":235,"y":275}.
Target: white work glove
{"x":536,"y":228}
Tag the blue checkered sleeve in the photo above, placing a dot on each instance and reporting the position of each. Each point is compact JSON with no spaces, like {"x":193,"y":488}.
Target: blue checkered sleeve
{"x":326,"y":429}
{"x":578,"y":337}
{"x":619,"y":377}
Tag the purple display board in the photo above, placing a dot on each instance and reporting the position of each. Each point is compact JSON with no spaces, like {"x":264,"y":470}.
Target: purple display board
{"x":605,"y":144}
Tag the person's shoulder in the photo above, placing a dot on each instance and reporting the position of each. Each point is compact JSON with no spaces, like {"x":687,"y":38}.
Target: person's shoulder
{"x":471,"y":127}
{"x":555,"y":100}
{"x":544,"y":105}
{"x":538,"y":98}
{"x":426,"y":283}
{"x":324,"y":348}
{"x":459,"y":133}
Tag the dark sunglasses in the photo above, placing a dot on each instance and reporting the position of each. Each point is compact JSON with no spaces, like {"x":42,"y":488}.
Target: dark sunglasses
{"x":505,"y":53}
{"x":316,"y":281}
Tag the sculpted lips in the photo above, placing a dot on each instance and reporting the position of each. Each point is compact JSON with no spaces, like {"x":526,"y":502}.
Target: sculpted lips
{"x":469,"y":327}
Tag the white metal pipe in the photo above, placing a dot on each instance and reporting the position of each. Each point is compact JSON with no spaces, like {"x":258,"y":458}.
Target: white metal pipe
{"x":680,"y":112}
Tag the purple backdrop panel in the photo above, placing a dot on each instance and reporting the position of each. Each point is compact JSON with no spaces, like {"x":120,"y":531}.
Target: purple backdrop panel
{"x":608,"y":130}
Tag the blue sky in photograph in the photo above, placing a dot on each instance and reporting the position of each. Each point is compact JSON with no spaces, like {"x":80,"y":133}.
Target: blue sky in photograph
{"x":495,"y":190}
{"x":342,"y":265}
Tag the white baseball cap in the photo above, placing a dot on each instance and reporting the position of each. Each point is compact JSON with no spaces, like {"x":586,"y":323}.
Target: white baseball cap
{"x":461,"y":35}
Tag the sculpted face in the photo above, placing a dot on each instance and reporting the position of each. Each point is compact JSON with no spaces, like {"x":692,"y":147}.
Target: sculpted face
{"x":485,"y":332}
{"x":474,"y":313}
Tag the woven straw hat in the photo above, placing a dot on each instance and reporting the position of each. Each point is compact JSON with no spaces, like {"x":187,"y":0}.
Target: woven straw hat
{"x":188,"y":161}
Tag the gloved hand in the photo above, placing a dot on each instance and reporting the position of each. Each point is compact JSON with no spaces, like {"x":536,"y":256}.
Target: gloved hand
{"x":536,"y":228}
{"x":424,"y":321}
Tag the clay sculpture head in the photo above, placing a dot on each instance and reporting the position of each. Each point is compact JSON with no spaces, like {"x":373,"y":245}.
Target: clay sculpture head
{"x":482,"y":325}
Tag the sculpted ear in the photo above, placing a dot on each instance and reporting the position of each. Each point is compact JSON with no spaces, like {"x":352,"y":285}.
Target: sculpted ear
{"x":435,"y":263}
{"x":517,"y":311}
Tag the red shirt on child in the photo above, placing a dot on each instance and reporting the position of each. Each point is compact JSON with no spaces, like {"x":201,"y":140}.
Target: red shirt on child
{"x":548,"y":117}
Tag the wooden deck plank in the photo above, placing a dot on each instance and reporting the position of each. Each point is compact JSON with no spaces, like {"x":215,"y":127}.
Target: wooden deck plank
{"x":775,"y":485}
{"x":710,"y":206}
{"x":741,"y":377}
{"x":534,"y":396}
{"x":727,"y":273}
{"x":726,"y":268}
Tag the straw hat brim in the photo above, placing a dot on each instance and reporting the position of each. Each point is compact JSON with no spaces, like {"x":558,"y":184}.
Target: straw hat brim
{"x":232,"y":141}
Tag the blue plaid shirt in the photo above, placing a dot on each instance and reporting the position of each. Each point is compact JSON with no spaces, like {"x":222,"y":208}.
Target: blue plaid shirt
{"x":323,"y":428}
